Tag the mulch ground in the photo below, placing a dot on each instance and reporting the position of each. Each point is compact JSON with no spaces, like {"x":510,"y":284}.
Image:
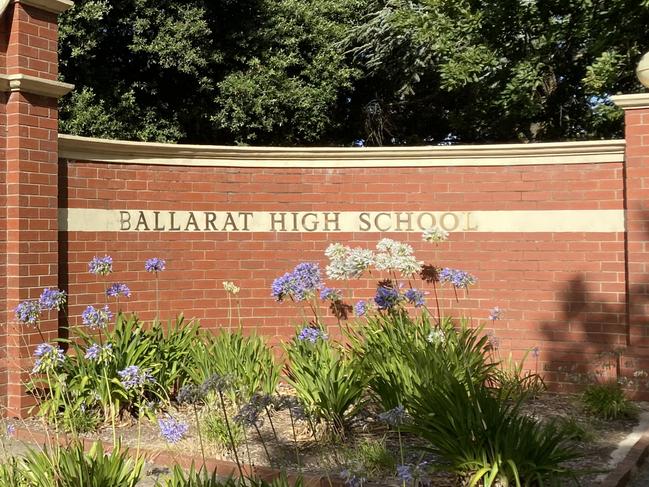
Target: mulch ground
{"x":329,"y":458}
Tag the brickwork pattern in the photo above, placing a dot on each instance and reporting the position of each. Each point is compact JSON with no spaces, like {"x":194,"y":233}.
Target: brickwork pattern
{"x":563,"y":292}
{"x":30,"y":194}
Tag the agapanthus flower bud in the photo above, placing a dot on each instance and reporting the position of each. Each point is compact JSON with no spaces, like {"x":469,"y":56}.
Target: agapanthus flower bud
{"x":52,"y":299}
{"x":101,"y":266}
{"x":155,"y":264}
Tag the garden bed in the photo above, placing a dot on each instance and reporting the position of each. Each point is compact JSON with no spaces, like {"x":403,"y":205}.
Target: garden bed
{"x":404,"y":395}
{"x":596,"y":439}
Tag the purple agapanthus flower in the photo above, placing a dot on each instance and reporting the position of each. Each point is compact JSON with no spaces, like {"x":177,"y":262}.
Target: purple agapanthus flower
{"x":97,"y":353}
{"x":52,"y":299}
{"x":360,"y":308}
{"x":330,"y":293}
{"x":96,"y":318}
{"x":458,"y":278}
{"x":404,"y":473}
{"x":134,"y":376}
{"x":387,"y":297}
{"x":93,"y":351}
{"x":494,"y":341}
{"x":48,"y":358}
{"x":155,"y":264}
{"x":281,"y":287}
{"x":172,"y":430}
{"x":299,"y":284}
{"x":311,"y":334}
{"x":101,"y":266}
{"x":11,"y":430}
{"x":351,"y":479}
{"x":307,"y":277}
{"x":118,"y":289}
{"x":536,"y":351}
{"x":28,"y":312}
{"x":495,"y":314}
{"x":415,"y":296}
{"x":395,"y":416}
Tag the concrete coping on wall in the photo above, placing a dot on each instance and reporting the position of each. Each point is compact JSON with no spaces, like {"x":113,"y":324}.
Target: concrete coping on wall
{"x":54,"y":6}
{"x":636,"y":100}
{"x":125,"y":152}
{"x":31,"y":84}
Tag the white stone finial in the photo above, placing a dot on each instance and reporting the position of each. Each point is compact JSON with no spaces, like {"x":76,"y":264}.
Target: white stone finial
{"x":642,"y":71}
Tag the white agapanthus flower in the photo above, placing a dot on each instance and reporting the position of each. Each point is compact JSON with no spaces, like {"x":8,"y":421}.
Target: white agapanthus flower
{"x":231,"y":287}
{"x":347,"y":263}
{"x":436,"y":337}
{"x":357,"y":261}
{"x":336,"y":270}
{"x":396,"y":256}
{"x":386,"y":245}
{"x":407,"y":265}
{"x":435,"y":235}
{"x":336,"y":251}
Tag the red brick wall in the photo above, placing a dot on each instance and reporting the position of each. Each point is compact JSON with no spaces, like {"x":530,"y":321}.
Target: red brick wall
{"x":29,"y":196}
{"x":32,"y":43}
{"x":637,"y":222}
{"x":563,"y":292}
{"x":575,"y":295}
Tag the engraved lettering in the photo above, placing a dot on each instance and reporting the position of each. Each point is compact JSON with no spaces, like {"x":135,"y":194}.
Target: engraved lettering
{"x":293,"y":221}
{"x":444,"y":222}
{"x":192,"y":221}
{"x":157,"y":226}
{"x":467,"y":222}
{"x":124,"y":220}
{"x":141,"y":220}
{"x":172,"y":214}
{"x":245,"y":215}
{"x":376,"y":222}
{"x":230,"y":221}
{"x":210,"y":219}
{"x":421,"y":221}
{"x":331,"y":219}
{"x":364,"y":222}
{"x":407,"y":220}
{"x":277,"y":218}
{"x":312,"y":224}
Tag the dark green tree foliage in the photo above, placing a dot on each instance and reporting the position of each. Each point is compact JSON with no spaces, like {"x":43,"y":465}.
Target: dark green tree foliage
{"x":496,"y":70}
{"x":306,"y":72}
{"x":220,"y":71}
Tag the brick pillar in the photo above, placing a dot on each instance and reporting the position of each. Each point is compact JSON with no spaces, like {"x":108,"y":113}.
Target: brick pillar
{"x":636,"y":111}
{"x":30,"y":187}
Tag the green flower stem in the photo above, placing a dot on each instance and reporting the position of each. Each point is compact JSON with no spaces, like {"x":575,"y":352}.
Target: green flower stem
{"x":229,"y":312}
{"x":227,"y":425}
{"x":239,"y":313}
{"x":157,"y":294}
{"x":112,"y":407}
{"x":263,"y":444}
{"x":247,"y":443}
{"x":198,"y":428}
{"x":297,"y":451}
{"x":401,"y":450}
{"x":270,"y":420}
{"x":439,"y":313}
{"x":51,"y":392}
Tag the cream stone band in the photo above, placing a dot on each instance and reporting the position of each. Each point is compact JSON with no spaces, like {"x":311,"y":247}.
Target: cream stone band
{"x":94,"y":220}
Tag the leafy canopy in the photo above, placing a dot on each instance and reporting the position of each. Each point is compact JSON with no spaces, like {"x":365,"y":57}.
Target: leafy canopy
{"x":302,"y":72}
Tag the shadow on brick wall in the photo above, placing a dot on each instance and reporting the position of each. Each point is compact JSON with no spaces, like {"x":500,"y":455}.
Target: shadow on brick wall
{"x":594,"y":340}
